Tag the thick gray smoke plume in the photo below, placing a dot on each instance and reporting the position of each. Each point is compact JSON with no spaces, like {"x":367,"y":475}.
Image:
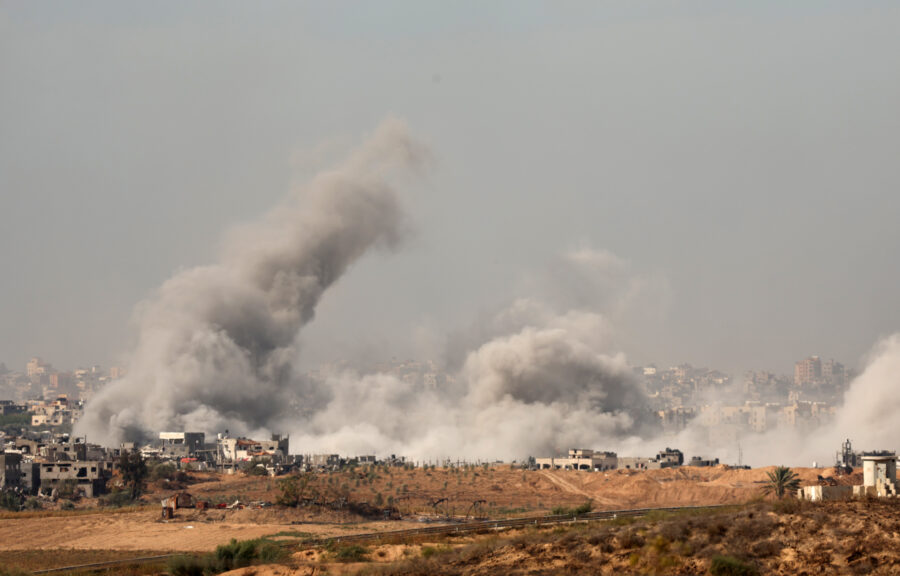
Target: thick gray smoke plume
{"x":216,"y":343}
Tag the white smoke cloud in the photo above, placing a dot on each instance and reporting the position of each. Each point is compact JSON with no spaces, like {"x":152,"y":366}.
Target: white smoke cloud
{"x":867,"y":416}
{"x":535,"y":391}
{"x":872,"y":403}
{"x":532,"y":380}
{"x":216,"y":343}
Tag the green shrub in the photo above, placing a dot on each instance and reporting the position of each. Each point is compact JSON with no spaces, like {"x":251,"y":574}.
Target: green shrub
{"x":630,"y":539}
{"x":731,"y":566}
{"x":429,"y":551}
{"x":162,"y":471}
{"x":10,"y":500}
{"x":186,"y":566}
{"x":787,"y":506}
{"x":269,"y":552}
{"x":351,"y":553}
{"x":237,"y":553}
{"x":241,"y":553}
{"x":67,"y":489}
{"x":116,"y":499}
{"x":584,"y":508}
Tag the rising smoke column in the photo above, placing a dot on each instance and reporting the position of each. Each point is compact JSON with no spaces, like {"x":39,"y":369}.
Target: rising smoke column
{"x":869,"y":414}
{"x":216,"y":343}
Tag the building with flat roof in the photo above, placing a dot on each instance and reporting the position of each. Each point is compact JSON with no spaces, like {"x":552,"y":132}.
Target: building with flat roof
{"x":580,"y":459}
{"x":182,"y":443}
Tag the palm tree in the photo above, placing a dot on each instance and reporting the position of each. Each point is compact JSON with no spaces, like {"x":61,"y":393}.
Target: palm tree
{"x":782,"y":481}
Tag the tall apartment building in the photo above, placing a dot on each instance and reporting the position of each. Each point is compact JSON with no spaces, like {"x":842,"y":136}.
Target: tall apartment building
{"x":808,"y":371}
{"x":833,"y":373}
{"x":36,"y":368}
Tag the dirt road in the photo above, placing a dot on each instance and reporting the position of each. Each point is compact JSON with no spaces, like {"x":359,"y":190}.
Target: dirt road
{"x":141,"y":531}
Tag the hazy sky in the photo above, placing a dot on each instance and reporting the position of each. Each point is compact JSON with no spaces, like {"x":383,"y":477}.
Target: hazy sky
{"x":744,"y":160}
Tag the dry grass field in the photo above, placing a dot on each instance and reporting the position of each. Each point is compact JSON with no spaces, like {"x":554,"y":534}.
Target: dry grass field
{"x":790,"y":538}
{"x":503,"y":492}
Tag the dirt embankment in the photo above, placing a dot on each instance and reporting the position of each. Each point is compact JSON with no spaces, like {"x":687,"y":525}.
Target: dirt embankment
{"x":502,"y":492}
{"x":848,"y":537}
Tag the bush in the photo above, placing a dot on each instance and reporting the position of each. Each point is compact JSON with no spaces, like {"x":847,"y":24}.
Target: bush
{"x":675,"y":530}
{"x":351,"y":553}
{"x":731,"y":566}
{"x":168,"y":471}
{"x":765,"y":548}
{"x":241,"y":553}
{"x":630,"y":539}
{"x":236,"y":554}
{"x":186,"y":566}
{"x":269,"y":552}
{"x":67,"y":505}
{"x":67,"y":489}
{"x":429,"y":551}
{"x":10,"y":500}
{"x":584,"y":508}
{"x":116,"y":499}
{"x":787,"y":506}
{"x":294,"y":489}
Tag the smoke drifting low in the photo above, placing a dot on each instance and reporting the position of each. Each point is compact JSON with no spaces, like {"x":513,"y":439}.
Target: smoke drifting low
{"x":535,"y":378}
{"x":866,"y":415}
{"x":536,"y":390}
{"x":216,"y":343}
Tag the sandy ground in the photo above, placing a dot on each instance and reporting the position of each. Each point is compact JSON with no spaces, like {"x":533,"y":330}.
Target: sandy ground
{"x":530,"y":491}
{"x":142,"y":531}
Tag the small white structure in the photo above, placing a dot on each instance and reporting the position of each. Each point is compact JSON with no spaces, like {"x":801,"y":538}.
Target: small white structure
{"x":879,"y":475}
{"x":817,"y":493}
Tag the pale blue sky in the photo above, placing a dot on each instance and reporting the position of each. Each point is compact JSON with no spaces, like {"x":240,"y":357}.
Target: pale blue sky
{"x":744,"y":155}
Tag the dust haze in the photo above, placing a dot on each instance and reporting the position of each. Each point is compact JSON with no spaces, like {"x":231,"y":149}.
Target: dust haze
{"x":218,"y":345}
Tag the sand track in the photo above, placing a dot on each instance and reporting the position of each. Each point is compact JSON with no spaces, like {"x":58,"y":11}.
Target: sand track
{"x":141,"y":531}
{"x":564,"y":484}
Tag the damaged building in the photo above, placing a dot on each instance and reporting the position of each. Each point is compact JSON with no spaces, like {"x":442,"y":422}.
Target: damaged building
{"x":87,"y":478}
{"x":584,"y":459}
{"x":40,"y":464}
{"x":181,"y":444}
{"x":10,"y":471}
{"x":231,"y":450}
{"x":580,"y":459}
